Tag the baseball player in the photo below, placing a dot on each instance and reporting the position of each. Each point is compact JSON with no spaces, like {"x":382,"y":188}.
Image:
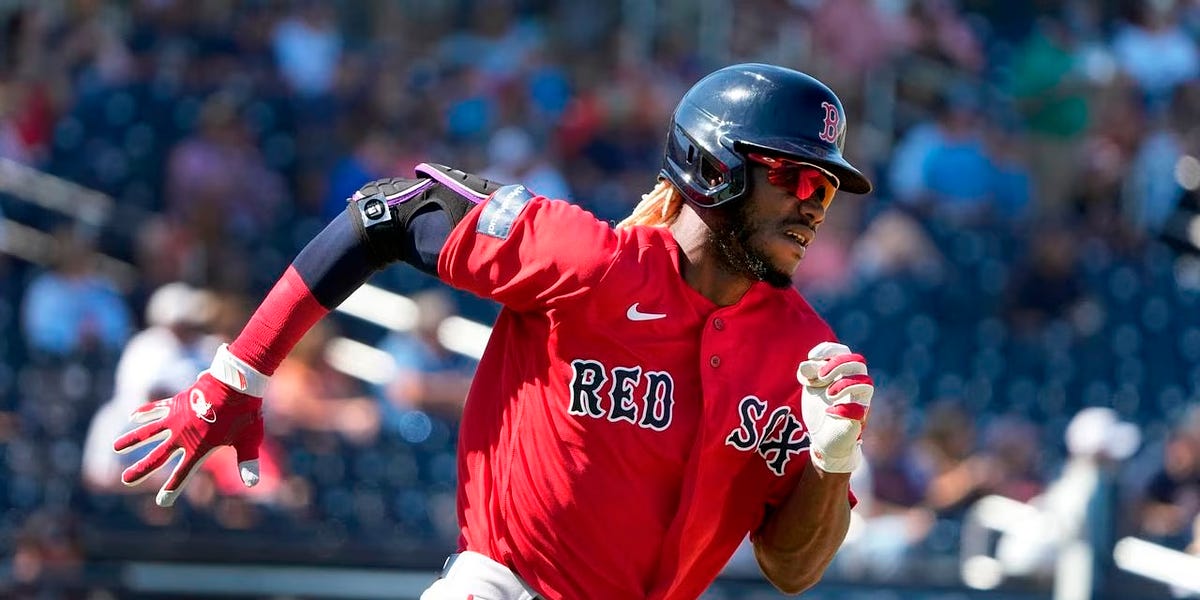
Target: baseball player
{"x":637,"y":411}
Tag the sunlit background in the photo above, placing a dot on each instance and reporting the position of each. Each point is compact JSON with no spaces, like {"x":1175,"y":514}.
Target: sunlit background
{"x":1031,"y":250}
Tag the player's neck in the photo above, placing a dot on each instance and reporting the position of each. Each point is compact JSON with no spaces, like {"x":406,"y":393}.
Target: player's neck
{"x":699,"y":264}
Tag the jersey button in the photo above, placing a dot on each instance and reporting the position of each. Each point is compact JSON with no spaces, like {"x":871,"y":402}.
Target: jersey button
{"x":715,"y":361}
{"x":718,"y":324}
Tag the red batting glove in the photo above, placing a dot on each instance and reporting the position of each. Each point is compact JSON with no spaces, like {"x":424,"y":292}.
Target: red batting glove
{"x":223,"y":408}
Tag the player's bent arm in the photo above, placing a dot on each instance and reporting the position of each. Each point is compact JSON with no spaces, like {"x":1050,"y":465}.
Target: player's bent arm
{"x":798,"y":540}
{"x":387,"y":220}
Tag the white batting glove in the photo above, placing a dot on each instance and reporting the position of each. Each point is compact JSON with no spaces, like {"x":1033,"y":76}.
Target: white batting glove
{"x":835,"y":402}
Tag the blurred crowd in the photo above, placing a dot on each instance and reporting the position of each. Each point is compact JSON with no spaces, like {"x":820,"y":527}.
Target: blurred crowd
{"x":1026,"y":254}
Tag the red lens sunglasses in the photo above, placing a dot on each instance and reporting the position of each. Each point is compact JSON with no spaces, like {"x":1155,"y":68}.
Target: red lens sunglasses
{"x":806,"y":180}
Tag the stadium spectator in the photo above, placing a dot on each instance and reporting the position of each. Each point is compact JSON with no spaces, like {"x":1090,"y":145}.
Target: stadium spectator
{"x":894,"y":245}
{"x":895,"y":473}
{"x":1171,"y":501}
{"x":959,"y":166}
{"x":47,"y":558}
{"x":219,"y":185}
{"x":514,"y":157}
{"x":548,"y":87}
{"x":892,"y":520}
{"x":906,"y":171}
{"x":166,"y":250}
{"x":1047,"y":286}
{"x":1153,"y":190}
{"x":958,"y":171}
{"x":1106,"y":154}
{"x":939,"y":46}
{"x":1011,"y":443}
{"x":850,"y":55}
{"x":374,"y":155}
{"x":308,"y":49}
{"x":222,"y":494}
{"x":309,"y":395}
{"x":429,"y":376}
{"x":74,"y":308}
{"x":954,"y":473}
{"x":90,"y":49}
{"x":25,"y":119}
{"x":1079,"y":505}
{"x":1153,"y":48}
{"x":29,"y":99}
{"x":939,"y":32}
{"x":217,"y":180}
{"x":1050,"y":91}
{"x":170,"y":352}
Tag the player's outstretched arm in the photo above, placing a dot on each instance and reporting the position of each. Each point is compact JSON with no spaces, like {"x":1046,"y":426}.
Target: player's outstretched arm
{"x":387,"y":220}
{"x":798,"y":540}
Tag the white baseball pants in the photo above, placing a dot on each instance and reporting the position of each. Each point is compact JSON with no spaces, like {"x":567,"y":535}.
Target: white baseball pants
{"x":473,"y":576}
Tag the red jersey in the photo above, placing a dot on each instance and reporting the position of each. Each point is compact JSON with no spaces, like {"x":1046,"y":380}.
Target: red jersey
{"x":623,"y":433}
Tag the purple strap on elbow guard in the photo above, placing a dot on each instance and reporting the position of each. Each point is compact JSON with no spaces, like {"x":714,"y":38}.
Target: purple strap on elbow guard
{"x":411,"y":193}
{"x":439,"y":176}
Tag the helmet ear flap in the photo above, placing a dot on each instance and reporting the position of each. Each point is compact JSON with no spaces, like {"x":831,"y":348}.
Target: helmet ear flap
{"x":699,"y":161}
{"x":711,"y":173}
{"x":706,"y":176}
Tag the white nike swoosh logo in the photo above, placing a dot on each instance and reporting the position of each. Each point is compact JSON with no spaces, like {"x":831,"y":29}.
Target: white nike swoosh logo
{"x":636,"y":315}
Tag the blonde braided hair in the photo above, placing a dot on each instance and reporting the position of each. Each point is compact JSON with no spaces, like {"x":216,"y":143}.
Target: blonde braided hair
{"x":658,"y":208}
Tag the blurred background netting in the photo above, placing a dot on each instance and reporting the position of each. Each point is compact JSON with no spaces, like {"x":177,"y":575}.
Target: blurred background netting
{"x":1031,"y":250}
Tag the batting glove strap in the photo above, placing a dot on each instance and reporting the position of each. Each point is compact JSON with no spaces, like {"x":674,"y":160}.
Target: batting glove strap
{"x":235,"y":373}
{"x":829,"y":452}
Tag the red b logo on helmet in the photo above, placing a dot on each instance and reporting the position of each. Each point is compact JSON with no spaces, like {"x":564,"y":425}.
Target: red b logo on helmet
{"x":832,"y":118}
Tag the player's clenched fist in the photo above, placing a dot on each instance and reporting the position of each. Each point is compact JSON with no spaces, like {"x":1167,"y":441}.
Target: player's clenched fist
{"x":209,"y":414}
{"x":836,"y":399}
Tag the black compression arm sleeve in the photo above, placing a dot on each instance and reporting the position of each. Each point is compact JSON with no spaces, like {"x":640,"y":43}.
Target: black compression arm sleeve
{"x":339,"y":259}
{"x":428,"y":232}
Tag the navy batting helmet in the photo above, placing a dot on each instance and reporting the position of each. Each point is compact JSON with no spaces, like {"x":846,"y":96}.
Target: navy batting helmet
{"x":754,"y":107}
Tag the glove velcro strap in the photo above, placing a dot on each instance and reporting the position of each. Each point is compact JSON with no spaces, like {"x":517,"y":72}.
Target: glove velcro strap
{"x":235,"y":373}
{"x":837,"y":445}
{"x":837,"y":464}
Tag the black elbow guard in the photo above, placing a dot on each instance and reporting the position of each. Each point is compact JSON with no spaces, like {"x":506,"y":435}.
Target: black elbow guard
{"x":395,"y":217}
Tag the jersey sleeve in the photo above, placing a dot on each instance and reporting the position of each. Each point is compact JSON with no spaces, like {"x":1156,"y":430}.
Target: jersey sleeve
{"x":527,"y":252}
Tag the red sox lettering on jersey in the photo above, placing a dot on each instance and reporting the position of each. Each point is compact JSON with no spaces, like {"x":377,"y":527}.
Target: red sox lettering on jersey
{"x":623,"y":433}
{"x":652,"y":410}
{"x":780,"y":436}
{"x":776,"y":437}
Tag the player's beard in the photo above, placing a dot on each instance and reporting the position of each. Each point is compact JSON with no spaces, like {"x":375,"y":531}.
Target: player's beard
{"x":736,"y":249}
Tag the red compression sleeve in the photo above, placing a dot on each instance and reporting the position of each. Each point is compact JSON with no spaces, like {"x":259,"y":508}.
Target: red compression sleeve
{"x":285,"y":315}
